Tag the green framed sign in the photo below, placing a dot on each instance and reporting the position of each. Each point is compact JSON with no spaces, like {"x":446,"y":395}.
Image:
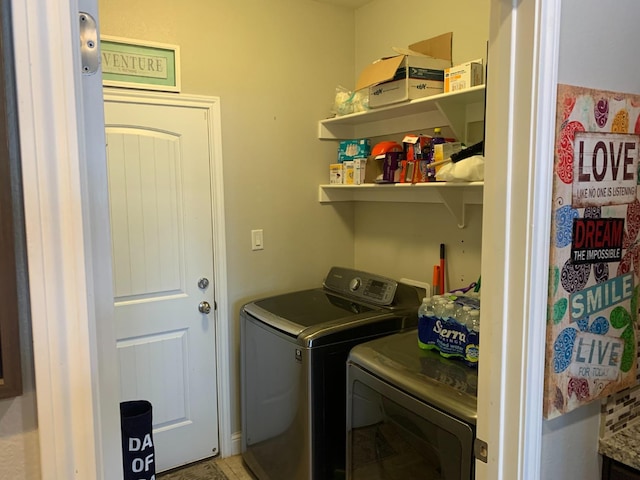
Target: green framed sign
{"x":140,"y":64}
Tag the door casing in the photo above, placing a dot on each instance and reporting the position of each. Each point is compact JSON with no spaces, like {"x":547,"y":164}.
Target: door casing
{"x":221,"y":313}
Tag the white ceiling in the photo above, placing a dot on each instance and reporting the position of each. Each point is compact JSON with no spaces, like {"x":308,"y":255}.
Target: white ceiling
{"x":347,"y":3}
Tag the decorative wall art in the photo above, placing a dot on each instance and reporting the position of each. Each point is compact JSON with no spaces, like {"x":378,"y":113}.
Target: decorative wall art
{"x":140,"y":64}
{"x":595,"y":248}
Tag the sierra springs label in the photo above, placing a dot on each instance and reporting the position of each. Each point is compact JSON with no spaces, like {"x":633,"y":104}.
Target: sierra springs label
{"x":449,"y":337}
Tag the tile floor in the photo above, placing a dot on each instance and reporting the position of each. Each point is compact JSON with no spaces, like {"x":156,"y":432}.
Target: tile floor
{"x":230,"y":468}
{"x":234,"y":468}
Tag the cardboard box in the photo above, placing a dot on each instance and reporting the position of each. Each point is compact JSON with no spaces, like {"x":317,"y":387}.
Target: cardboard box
{"x":442,"y":151}
{"x":463,"y":76}
{"x":416,"y":148}
{"x":374,"y":169}
{"x":402,"y":90}
{"x":335,"y":174}
{"x":352,"y":149}
{"x":413,"y":74}
{"x":359,"y":170}
{"x":392,"y":167}
{"x":348,"y":172}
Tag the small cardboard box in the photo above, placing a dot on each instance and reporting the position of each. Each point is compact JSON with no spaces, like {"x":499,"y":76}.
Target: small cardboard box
{"x":359,"y":170}
{"x":352,"y":149}
{"x":463,"y":76}
{"x":415,"y":150}
{"x":415,"y":73}
{"x":348,"y":169}
{"x":444,"y":151}
{"x":374,"y":169}
{"x":335,"y":174}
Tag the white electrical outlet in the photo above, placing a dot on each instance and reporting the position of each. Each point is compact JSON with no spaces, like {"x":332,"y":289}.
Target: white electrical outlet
{"x":257,"y":240}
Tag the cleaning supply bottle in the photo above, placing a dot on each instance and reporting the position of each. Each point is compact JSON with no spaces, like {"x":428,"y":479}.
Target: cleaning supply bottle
{"x":437,"y":139}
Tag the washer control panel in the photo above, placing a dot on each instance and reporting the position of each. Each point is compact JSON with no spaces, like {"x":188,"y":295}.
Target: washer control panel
{"x":365,"y":286}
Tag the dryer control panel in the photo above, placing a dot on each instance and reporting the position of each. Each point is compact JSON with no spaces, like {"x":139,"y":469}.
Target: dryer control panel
{"x":368,"y":287}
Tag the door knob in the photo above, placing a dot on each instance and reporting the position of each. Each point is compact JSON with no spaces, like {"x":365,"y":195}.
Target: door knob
{"x":204,"y":307}
{"x":203,"y":283}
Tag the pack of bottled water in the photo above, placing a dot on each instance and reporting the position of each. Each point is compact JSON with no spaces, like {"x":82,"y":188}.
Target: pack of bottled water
{"x":450,"y":323}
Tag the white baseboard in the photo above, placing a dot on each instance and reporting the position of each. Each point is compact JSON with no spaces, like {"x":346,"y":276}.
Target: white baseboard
{"x":236,"y":444}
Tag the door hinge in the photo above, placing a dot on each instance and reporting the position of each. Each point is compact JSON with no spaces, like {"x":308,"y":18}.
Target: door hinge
{"x":480,"y":450}
{"x":89,"y":51}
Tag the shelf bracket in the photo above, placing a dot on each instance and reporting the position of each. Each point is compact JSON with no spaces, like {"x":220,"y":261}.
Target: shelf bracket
{"x":454,"y":202}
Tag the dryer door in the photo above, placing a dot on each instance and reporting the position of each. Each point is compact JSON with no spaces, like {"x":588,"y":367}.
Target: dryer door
{"x":391,"y":435}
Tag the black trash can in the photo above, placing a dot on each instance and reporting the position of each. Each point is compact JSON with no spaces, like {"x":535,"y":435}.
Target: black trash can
{"x":138,"y":453}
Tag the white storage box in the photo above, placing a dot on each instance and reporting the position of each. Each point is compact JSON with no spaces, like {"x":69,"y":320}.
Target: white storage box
{"x":417,"y":72}
{"x":463,"y":76}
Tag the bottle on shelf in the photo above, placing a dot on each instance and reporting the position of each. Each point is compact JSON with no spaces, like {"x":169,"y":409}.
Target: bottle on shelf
{"x":435,"y":140}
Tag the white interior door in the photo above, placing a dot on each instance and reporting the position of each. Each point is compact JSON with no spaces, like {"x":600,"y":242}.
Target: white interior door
{"x":161,"y":221}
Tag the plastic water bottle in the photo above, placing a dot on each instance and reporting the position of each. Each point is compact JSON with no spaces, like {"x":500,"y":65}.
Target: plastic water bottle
{"x":426,"y":322}
{"x":439,"y":306}
{"x":474,"y":320}
{"x":462,"y":315}
{"x":426,"y":309}
{"x":449,"y":311}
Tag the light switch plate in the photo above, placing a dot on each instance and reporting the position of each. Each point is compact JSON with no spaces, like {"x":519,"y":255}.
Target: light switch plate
{"x":257,"y":240}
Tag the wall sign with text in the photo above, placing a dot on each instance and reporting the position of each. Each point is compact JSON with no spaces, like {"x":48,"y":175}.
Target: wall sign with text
{"x":140,"y":64}
{"x":595,"y":249}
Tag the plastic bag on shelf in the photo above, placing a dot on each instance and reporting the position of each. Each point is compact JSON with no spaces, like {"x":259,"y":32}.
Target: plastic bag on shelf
{"x":467,"y":170}
{"x":346,"y":101}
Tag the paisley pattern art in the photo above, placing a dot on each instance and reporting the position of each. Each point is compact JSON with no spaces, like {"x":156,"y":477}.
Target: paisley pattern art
{"x":574,"y":277}
{"x":601,"y":112}
{"x":563,"y":348}
{"x":564,"y":225}
{"x":564,"y":167}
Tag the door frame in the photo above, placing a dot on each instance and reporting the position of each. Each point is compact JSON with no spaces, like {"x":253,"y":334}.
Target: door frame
{"x":520,"y":116}
{"x":61,"y":131}
{"x":62,"y":142}
{"x":221,"y":318}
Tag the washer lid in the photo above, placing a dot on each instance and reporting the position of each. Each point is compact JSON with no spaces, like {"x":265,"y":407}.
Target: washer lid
{"x":446,"y":384}
{"x":296,"y":311}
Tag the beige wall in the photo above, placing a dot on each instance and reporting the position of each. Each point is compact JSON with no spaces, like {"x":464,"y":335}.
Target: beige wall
{"x":403,"y":240}
{"x":275,"y":66}
{"x":381,"y":25}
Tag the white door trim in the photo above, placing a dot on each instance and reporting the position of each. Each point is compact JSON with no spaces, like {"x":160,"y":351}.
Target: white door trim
{"x":221,"y":316}
{"x":70,"y":279}
{"x":69,"y":274}
{"x":521,"y":92}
